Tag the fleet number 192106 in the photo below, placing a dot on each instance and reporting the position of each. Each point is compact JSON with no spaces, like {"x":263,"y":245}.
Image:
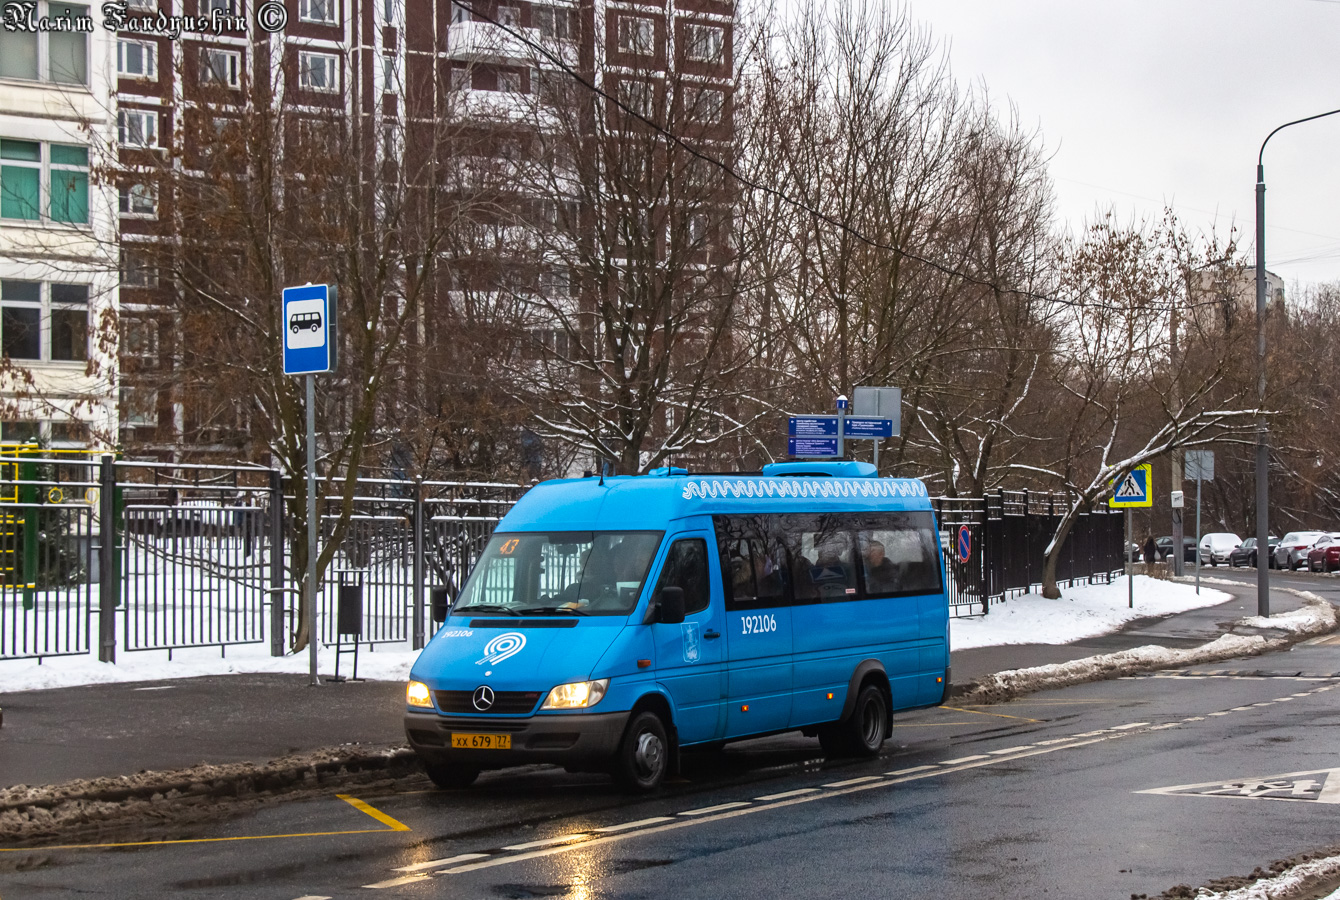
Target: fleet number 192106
{"x":758,"y":624}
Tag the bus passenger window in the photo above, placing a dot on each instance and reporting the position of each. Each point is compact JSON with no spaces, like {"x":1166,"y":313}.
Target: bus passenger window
{"x":686,"y":568}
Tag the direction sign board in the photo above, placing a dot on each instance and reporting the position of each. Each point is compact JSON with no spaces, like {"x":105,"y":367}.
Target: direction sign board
{"x":811,"y":446}
{"x":1133,"y":489}
{"x":309,"y":329}
{"x":1200,"y":465}
{"x":880,"y":402}
{"x":867,"y":427}
{"x":813,"y":426}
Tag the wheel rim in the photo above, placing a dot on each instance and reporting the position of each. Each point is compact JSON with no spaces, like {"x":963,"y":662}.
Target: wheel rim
{"x":872,"y":723}
{"x":649,"y":757}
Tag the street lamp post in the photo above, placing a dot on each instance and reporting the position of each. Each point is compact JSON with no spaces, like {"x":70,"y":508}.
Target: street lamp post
{"x":1262,"y":429}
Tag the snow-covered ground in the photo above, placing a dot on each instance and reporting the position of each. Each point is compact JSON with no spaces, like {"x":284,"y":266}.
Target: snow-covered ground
{"x":1081,"y":612}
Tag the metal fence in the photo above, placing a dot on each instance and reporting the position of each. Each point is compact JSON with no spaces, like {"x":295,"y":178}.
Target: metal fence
{"x":136,"y":556}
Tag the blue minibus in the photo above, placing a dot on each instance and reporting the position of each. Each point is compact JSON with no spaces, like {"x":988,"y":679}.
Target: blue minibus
{"x":611,"y":622}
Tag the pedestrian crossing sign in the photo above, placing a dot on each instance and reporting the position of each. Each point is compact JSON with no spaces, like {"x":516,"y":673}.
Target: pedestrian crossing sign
{"x":1132,"y":489}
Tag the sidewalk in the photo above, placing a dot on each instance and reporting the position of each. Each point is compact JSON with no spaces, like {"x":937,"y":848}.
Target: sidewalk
{"x":60,"y":734}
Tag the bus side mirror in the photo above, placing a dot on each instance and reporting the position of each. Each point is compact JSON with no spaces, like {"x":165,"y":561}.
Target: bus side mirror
{"x":441,"y":602}
{"x":671,"y":610}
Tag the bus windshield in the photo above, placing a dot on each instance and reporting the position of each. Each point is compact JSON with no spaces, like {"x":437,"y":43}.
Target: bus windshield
{"x":559,"y":573}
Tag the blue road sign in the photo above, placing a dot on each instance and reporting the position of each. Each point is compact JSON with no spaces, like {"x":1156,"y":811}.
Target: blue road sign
{"x":813,"y":426}
{"x":1133,"y":489}
{"x":309,"y":329}
{"x":867,"y":427}
{"x":808,"y":446}
{"x":964,"y":543}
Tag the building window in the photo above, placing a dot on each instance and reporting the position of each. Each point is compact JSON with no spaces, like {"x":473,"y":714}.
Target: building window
{"x":139,"y":406}
{"x":637,"y":35}
{"x":69,"y":183}
{"x":460,"y":79}
{"x":137,"y":59}
{"x":704,"y":105}
{"x":322,"y":11}
{"x":552,"y":22}
{"x":224,"y":7}
{"x":151,"y":5}
{"x":139,"y":200}
{"x":21,"y":179}
{"x":24,"y":305}
{"x":51,"y":55}
{"x":389,"y":11}
{"x":20,"y":432}
{"x":136,"y":270}
{"x":460,"y":13}
{"x":220,"y":67}
{"x":509,"y":16}
{"x":137,"y":128}
{"x":556,"y":283}
{"x":69,"y":322}
{"x":316,"y":72}
{"x":139,"y":339}
{"x":388,"y":73}
{"x":636,"y":97}
{"x":509,"y":81}
{"x":704,"y":43}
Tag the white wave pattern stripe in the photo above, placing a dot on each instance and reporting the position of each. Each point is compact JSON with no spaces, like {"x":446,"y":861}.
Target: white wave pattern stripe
{"x":503,"y":646}
{"x":734,"y":488}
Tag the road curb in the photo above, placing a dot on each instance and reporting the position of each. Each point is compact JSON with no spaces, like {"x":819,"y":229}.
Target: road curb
{"x":1003,"y":686}
{"x":33,"y":813}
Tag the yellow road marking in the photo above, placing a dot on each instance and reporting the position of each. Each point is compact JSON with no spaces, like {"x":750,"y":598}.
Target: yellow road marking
{"x":376,"y":814}
{"x":392,"y":825}
{"x":997,"y":715}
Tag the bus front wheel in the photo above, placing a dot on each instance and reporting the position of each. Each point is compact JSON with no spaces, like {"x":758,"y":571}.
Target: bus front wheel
{"x":643,"y":755}
{"x":862,"y":732}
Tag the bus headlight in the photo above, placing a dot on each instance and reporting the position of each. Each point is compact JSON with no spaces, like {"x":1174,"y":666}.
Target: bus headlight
{"x":416,"y":694}
{"x":578,"y":695}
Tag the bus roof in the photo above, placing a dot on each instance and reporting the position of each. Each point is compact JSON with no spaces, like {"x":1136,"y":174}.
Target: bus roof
{"x":652,"y":501}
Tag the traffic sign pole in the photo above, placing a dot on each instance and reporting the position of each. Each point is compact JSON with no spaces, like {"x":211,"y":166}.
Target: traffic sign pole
{"x":1258,"y":552}
{"x":1130,"y":565}
{"x":311,"y":532}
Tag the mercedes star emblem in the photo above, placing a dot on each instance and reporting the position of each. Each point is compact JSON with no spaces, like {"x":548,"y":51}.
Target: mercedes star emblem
{"x":483,"y":698}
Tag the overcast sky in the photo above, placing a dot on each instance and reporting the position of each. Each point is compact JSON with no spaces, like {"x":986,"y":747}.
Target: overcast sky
{"x":1147,"y":102}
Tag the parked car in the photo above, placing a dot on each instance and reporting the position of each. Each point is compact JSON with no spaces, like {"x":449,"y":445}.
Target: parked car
{"x":1216,"y":546}
{"x":1324,"y":555}
{"x":1165,"y":545}
{"x":1245,"y":554}
{"x":1291,"y":552}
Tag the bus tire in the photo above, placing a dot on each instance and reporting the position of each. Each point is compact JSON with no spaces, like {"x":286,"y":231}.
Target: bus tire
{"x":643,"y":756}
{"x":862,"y":732}
{"x":451,"y":778}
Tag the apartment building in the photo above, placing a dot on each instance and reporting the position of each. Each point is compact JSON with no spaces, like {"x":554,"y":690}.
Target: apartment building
{"x":58,"y":284}
{"x":396,"y":70}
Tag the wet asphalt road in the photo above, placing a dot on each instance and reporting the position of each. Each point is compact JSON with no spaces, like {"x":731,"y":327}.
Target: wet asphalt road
{"x":1041,"y":797}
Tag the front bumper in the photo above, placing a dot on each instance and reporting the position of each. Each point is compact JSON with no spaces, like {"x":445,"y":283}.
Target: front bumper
{"x":577,"y":741}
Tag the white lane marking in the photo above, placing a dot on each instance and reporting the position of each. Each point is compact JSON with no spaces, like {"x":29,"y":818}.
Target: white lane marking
{"x":168,"y":687}
{"x":1239,"y":708}
{"x":1053,"y":741}
{"x":1094,"y":733}
{"x":1193,"y":719}
{"x":964,"y":759}
{"x":1221,"y":713}
{"x":1264,"y":703}
{"x":654,"y":820}
{"x":313,"y":897}
{"x":549,"y":842}
{"x":796,"y":793}
{"x":711,"y":809}
{"x":757,"y":808}
{"x":1168,"y":725}
{"x":1283,"y":699}
{"x":397,"y":882}
{"x":861,"y":780}
{"x":911,"y":770}
{"x":1008,"y":750}
{"x":1127,"y":726}
{"x":438,"y":863}
{"x":1304,"y":694}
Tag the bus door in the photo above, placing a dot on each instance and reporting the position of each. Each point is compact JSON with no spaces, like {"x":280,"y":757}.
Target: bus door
{"x":758,"y":636}
{"x":689,"y":656}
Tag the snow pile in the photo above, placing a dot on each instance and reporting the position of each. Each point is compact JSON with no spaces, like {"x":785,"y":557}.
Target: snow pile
{"x":1291,"y":883}
{"x":1308,"y":619}
{"x":1317,"y":616}
{"x":1083,"y":611}
{"x":387,"y":662}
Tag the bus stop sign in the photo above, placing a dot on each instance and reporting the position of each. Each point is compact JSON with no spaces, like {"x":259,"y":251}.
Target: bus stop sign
{"x":309,"y":329}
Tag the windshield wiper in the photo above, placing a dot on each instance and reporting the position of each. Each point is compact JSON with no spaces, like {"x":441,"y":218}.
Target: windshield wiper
{"x":566,"y":610}
{"x":491,"y":606}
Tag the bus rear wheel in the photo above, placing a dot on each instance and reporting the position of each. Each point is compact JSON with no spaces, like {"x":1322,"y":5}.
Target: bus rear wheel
{"x":861,"y":733}
{"x":643,"y":756}
{"x":451,"y":778}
